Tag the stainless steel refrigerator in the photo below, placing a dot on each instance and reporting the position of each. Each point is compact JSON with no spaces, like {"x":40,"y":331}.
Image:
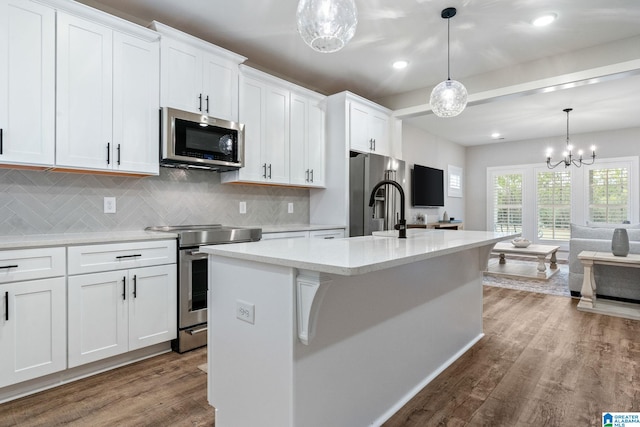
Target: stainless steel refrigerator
{"x":365,"y":171}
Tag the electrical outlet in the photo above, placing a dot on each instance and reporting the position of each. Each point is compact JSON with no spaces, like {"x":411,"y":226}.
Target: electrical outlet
{"x":245,"y":311}
{"x":243,"y":207}
{"x":290,"y":208}
{"x":109,"y":205}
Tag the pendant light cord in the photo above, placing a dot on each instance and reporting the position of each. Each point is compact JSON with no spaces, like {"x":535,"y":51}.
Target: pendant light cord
{"x":448,"y":49}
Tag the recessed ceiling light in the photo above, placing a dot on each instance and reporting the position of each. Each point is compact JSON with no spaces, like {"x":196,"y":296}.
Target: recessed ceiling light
{"x":544,"y":20}
{"x":495,"y":135}
{"x":399,"y":65}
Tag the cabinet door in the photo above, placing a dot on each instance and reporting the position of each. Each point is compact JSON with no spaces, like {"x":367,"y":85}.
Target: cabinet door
{"x":252,"y":94}
{"x":97,"y":316}
{"x":316,"y":145}
{"x":379,"y":130}
{"x":152,"y":305}
{"x":220,"y":86}
{"x":33,"y":330}
{"x":136,"y":101}
{"x":298,"y":142}
{"x":181,"y":76}
{"x":359,"y":136}
{"x":27,"y":83}
{"x":84,"y":94}
{"x":276,"y":136}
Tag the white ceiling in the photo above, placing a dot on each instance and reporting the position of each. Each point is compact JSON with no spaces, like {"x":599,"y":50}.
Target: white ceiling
{"x":486,"y":36}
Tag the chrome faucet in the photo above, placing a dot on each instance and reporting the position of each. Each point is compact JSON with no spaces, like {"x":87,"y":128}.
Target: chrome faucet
{"x":401,"y":226}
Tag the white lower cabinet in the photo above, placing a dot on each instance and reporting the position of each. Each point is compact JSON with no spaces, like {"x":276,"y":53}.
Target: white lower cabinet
{"x":334,"y":233}
{"x":122,"y":297}
{"x":32,"y":330}
{"x":118,"y":311}
{"x":33,"y":340}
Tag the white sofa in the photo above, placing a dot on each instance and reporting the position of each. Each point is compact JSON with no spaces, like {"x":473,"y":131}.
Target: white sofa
{"x":613,"y":282}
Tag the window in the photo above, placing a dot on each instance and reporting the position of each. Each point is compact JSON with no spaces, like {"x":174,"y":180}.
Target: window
{"x":507,"y":202}
{"x":554,"y":205}
{"x":609,"y":195}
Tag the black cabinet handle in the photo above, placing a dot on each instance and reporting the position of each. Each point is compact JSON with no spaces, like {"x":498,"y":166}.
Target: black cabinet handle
{"x":108,"y":152}
{"x":307,"y":178}
{"x":207,"y":104}
{"x":200,"y":102}
{"x":311,"y":175}
{"x":264,"y":170}
{"x":9,"y":266}
{"x":118,"y":154}
{"x":1,"y":141}
{"x":269,"y":170}
{"x":135,"y":287}
{"x":128,"y":256}
{"x":6,"y":306}
{"x":124,"y":288}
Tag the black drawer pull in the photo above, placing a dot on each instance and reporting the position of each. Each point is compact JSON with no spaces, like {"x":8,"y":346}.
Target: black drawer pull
{"x":135,"y":287}
{"x":128,"y":256}
{"x":124,"y":287}
{"x":8,"y":266}
{"x":6,"y":306}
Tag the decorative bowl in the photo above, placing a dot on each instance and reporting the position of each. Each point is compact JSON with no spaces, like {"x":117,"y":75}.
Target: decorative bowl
{"x":520,"y":242}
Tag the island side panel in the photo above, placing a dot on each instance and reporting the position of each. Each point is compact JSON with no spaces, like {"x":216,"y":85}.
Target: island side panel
{"x":250,"y":365}
{"x":382,"y":336}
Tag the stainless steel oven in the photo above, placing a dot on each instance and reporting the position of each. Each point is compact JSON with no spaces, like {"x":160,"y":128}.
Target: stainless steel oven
{"x":193,"y":276}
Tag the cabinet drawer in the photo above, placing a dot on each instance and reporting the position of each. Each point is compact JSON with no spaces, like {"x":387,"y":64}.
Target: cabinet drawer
{"x":285,"y":235}
{"x":118,"y":256}
{"x":29,"y":264}
{"x":327,"y":234}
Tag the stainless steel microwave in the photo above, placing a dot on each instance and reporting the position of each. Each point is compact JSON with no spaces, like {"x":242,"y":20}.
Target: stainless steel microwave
{"x":191,"y":140}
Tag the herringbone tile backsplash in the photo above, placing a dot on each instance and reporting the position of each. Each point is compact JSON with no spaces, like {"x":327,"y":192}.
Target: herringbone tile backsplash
{"x":35,"y":202}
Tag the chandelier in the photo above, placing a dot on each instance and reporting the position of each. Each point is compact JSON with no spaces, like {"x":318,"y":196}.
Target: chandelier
{"x":568,"y":156}
{"x":448,"y":98}
{"x":327,"y":25}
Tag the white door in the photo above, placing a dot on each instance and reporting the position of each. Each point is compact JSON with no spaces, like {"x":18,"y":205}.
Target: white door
{"x":181,"y":76}
{"x":276,"y":136}
{"x":136,"y":101}
{"x":27,"y":83}
{"x":32,"y":329}
{"x":252,"y":94}
{"x":97,"y":314}
{"x":299,"y":169}
{"x":152,"y":305}
{"x":84,"y":94}
{"x":316,"y":145}
{"x":220,"y":86}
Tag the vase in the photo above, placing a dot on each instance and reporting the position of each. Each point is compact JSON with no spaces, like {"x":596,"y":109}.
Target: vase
{"x":445,"y":217}
{"x":620,"y":242}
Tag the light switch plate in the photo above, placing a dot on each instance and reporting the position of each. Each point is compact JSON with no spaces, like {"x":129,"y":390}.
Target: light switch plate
{"x":243,"y":207}
{"x":290,"y":208}
{"x":245,"y":311}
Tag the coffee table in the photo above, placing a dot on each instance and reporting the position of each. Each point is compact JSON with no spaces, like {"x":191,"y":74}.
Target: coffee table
{"x":540,"y":252}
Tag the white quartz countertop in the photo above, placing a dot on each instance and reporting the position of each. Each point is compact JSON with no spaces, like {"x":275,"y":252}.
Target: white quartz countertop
{"x":67,"y":239}
{"x":358,"y":255}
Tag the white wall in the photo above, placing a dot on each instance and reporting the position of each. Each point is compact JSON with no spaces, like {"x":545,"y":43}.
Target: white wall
{"x":617,"y":143}
{"x":426,"y":149}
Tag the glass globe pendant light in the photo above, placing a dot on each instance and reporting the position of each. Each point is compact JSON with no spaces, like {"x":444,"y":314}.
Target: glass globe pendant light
{"x":449,"y":97}
{"x":327,"y":25}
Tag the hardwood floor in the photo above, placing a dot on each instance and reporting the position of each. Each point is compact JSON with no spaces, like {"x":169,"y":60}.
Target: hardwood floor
{"x":541,"y":363}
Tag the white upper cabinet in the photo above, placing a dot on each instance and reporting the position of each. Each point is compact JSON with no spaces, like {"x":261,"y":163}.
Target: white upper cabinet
{"x":27,"y":83}
{"x":369,"y":128}
{"x":107,"y":97}
{"x":284,"y":132}
{"x":197,"y":76}
{"x":307,"y":146}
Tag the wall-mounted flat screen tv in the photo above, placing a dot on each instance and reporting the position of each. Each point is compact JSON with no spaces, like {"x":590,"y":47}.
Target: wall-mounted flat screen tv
{"x":427,"y":186}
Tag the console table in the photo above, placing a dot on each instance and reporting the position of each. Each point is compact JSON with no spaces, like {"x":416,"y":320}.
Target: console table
{"x":588,"y":300}
{"x":448,"y":225}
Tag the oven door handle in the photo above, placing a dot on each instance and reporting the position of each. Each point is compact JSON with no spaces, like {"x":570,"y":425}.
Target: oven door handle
{"x":197,"y":331}
{"x":196,"y":253}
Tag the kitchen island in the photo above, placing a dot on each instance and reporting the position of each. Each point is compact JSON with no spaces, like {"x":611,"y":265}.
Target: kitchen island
{"x":308,"y":332}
